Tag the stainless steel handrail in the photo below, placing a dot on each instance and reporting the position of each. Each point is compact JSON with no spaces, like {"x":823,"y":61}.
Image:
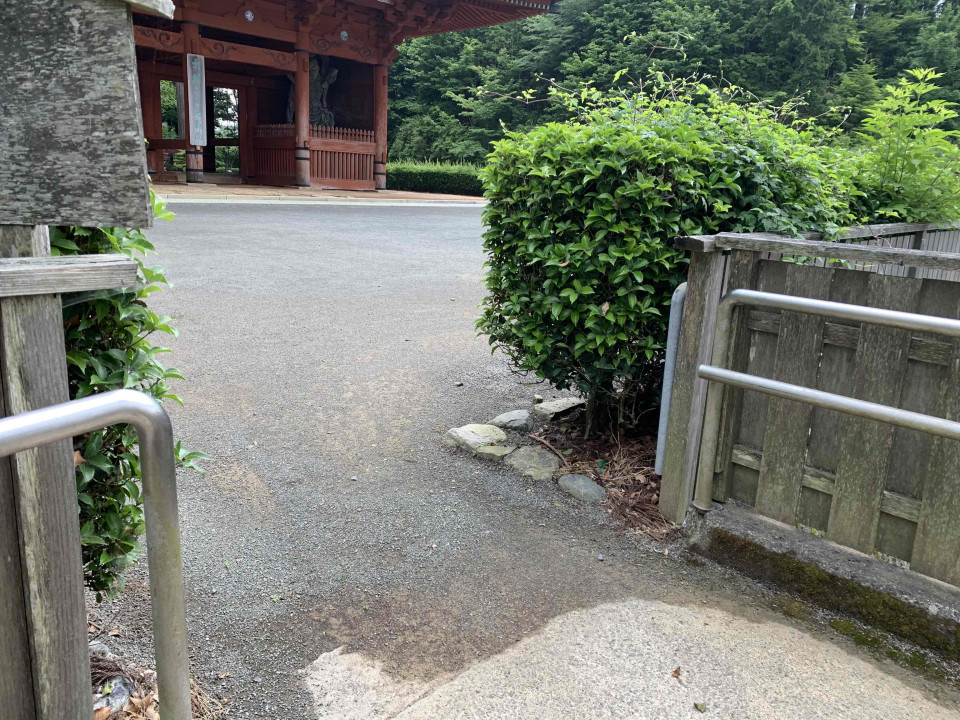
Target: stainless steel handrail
{"x":716,"y":374}
{"x":158,"y":468}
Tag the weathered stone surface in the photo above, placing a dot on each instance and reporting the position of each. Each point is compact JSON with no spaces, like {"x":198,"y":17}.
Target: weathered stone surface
{"x":534,"y":462}
{"x":473,"y":437}
{"x":495,"y":452}
{"x":554,"y":408}
{"x":582,"y":488}
{"x":518,"y":420}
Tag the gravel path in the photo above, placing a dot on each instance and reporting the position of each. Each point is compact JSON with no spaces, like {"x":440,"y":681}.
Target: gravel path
{"x":322,"y":343}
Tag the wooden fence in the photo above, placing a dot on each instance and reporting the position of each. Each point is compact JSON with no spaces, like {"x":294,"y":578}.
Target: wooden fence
{"x":864,"y":484}
{"x":340,"y":158}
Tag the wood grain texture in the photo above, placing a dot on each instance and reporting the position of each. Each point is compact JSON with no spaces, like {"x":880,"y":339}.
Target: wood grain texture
{"x":936,"y":550}
{"x":797,"y":362}
{"x":76,"y":273}
{"x":742,"y":267}
{"x":761,"y":242}
{"x":923,"y":348}
{"x":760,"y":358}
{"x":82,"y":167}
{"x":16,"y":677}
{"x":704,"y":284}
{"x":34,"y":375}
{"x":865,"y":445}
{"x":825,"y":483}
{"x":924,"y":385}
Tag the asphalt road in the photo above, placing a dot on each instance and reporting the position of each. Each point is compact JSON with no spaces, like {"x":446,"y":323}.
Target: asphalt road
{"x":323,"y":343}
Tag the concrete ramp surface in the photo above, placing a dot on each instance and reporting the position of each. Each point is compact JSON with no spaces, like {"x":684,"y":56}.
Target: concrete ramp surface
{"x":618,"y":660}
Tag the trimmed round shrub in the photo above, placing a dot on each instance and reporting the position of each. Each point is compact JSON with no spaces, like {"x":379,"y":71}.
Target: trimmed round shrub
{"x":581,"y":216}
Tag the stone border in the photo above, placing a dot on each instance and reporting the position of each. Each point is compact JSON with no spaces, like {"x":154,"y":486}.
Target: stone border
{"x":490,"y":441}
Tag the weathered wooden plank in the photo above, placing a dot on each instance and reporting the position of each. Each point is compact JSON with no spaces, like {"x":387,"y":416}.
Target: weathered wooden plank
{"x":51,"y":275}
{"x":16,"y":678}
{"x":824,"y":483}
{"x":760,"y":361}
{"x":924,"y":385}
{"x":936,"y":548}
{"x":742,"y":269}
{"x":78,"y":55}
{"x":704,"y":284}
{"x":837,"y":374}
{"x":760,"y":242}
{"x":696,"y":243}
{"x":34,"y":375}
{"x":922,"y":349}
{"x":865,"y":444}
{"x":797,"y":362}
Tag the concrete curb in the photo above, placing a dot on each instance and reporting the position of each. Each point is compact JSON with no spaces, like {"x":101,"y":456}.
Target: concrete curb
{"x":879,"y":593}
{"x":258,"y":200}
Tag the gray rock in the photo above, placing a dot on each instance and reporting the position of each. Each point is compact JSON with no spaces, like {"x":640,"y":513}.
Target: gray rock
{"x":582,"y":488}
{"x":473,"y":437}
{"x":495,"y":452}
{"x":518,"y":420}
{"x":555,"y":408}
{"x":114,"y":694}
{"x":533,"y":462}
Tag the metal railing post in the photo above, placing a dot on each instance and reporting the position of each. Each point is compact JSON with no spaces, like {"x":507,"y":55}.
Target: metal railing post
{"x":717,"y":374}
{"x":158,"y":468}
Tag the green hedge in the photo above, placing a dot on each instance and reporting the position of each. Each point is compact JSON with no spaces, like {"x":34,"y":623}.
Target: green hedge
{"x":434,"y":178}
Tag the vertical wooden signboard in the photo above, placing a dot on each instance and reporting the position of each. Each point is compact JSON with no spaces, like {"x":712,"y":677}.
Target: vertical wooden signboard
{"x":197,"y":99}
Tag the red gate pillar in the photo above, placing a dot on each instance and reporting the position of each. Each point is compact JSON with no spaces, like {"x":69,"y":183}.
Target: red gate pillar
{"x":302,"y":109}
{"x":380,"y":126}
{"x":191,"y":44}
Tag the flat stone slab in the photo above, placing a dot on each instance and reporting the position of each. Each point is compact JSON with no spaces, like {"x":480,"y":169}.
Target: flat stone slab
{"x":554,"y":408}
{"x":474,"y":437}
{"x":533,"y":462}
{"x":582,"y":488}
{"x":518,"y":420}
{"x":495,"y":452}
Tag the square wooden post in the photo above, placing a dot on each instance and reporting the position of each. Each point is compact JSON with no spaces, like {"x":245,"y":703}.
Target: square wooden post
{"x":380,"y":86}
{"x":34,"y":375}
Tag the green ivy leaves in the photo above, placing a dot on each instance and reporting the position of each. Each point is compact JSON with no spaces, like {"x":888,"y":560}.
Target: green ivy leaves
{"x":109,"y":339}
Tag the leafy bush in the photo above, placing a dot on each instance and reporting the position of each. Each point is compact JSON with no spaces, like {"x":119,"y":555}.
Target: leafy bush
{"x":581,"y":216}
{"x":907,"y":167}
{"x":455,"y":179}
{"x":108,"y":348}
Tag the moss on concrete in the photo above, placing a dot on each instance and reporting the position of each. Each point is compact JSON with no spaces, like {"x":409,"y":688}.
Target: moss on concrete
{"x":835,"y":593}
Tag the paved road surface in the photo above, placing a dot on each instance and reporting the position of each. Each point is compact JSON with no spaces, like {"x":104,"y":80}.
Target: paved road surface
{"x":325,"y":342}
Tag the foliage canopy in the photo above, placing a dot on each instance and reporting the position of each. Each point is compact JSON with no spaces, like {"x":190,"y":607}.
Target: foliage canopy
{"x":581,"y":216}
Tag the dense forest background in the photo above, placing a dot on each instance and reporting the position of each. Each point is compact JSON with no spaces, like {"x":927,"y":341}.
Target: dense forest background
{"x":834,"y":53}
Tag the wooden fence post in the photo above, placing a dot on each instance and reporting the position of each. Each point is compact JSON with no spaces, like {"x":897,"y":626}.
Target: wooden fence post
{"x":704,"y":287}
{"x":34,"y":375}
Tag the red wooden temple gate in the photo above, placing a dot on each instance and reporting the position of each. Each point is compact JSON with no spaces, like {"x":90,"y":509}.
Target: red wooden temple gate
{"x":270,"y":52}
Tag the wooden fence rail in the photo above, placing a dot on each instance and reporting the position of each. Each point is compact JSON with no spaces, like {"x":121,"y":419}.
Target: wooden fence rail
{"x":862,"y":483}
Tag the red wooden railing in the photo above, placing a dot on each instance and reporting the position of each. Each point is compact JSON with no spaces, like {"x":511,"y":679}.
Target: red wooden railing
{"x":340,"y":158}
